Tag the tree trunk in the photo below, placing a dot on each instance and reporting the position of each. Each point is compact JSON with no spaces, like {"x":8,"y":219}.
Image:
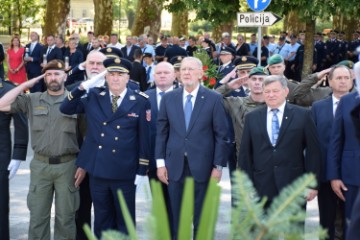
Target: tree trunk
{"x":56,"y":25}
{"x":16,"y":18}
{"x":103,"y":19}
{"x":308,"y":47}
{"x":347,"y":25}
{"x":148,"y":15}
{"x":179,"y":25}
{"x":219,"y":29}
{"x":294,"y":25}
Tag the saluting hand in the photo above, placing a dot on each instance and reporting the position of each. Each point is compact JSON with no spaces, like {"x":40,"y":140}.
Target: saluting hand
{"x":163,"y":175}
{"x":237,"y":82}
{"x":33,"y":81}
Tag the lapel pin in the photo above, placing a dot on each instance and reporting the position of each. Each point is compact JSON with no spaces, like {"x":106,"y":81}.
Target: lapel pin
{"x":132,"y":97}
{"x":202,"y":96}
{"x":102,"y":93}
{"x":285,"y":117}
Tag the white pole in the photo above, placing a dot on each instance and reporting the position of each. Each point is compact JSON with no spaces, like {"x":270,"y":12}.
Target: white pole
{"x":259,"y":46}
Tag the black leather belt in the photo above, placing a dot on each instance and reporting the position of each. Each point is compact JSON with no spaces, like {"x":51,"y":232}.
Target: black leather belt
{"x":55,"y":159}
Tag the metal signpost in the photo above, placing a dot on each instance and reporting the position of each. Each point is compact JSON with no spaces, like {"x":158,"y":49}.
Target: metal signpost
{"x":258,"y":19}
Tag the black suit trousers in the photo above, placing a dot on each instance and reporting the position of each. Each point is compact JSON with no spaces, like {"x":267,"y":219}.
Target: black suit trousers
{"x":4,"y":204}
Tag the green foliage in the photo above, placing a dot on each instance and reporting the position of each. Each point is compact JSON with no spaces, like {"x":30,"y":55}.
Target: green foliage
{"x":284,"y":217}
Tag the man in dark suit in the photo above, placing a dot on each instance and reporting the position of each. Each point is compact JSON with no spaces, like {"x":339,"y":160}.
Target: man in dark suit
{"x":188,"y":116}
{"x":323,"y":112}
{"x":33,"y":62}
{"x":113,"y":153}
{"x":343,"y":159}
{"x":129,"y":49}
{"x":86,"y":48}
{"x":51,"y":52}
{"x":164,"y":76}
{"x":174,"y":50}
{"x":274,"y":140}
{"x":15,"y":152}
{"x":138,"y":71}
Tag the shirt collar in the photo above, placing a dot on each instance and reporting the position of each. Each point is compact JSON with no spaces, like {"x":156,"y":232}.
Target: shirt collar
{"x":334,"y":99}
{"x":158,"y":90}
{"x":193,"y":93}
{"x":122,"y":95}
{"x":281,"y":108}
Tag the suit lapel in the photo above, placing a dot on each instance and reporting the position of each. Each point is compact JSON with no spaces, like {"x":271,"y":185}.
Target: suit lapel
{"x":263,"y":124}
{"x":287,"y":118}
{"x":199,"y":102}
{"x":180,"y":108}
{"x":154,"y":107}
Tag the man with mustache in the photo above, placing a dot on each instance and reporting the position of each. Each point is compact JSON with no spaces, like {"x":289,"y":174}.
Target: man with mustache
{"x":54,"y":141}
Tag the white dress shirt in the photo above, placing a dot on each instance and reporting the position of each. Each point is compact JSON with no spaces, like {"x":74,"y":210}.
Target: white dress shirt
{"x":269,"y":117}
{"x":122,"y":95}
{"x":159,"y":97}
{"x":335,"y":103}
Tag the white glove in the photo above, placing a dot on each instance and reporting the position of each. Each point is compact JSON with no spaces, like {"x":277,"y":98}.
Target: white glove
{"x":139,"y":180}
{"x":357,"y":76}
{"x":96,"y":81}
{"x":13,"y":167}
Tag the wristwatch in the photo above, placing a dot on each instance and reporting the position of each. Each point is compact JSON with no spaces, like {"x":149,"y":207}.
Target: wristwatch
{"x":218,"y":167}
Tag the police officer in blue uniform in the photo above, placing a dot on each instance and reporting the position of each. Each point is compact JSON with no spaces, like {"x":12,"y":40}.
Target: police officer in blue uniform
{"x":226,"y":57}
{"x":116,"y":149}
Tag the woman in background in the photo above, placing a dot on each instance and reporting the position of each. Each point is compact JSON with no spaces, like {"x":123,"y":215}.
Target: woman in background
{"x":15,"y":62}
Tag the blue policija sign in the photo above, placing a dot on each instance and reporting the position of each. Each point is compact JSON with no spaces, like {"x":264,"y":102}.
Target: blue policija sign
{"x":258,"y":5}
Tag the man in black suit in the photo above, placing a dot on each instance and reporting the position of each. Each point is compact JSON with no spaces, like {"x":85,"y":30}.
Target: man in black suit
{"x":138,"y":72}
{"x":51,"y":52}
{"x":86,"y":48}
{"x":15,"y":152}
{"x":129,"y":49}
{"x":274,"y":140}
{"x":33,"y":61}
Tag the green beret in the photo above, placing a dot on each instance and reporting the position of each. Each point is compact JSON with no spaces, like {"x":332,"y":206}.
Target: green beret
{"x":346,"y":63}
{"x":275,"y":59}
{"x":258,"y":71}
{"x":54,"y":65}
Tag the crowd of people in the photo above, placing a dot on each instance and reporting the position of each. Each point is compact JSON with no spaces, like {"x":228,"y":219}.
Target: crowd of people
{"x":139,"y":110}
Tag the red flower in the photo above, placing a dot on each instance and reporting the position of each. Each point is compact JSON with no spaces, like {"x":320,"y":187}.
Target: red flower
{"x":204,"y":78}
{"x":205,"y":68}
{"x":212,"y":81}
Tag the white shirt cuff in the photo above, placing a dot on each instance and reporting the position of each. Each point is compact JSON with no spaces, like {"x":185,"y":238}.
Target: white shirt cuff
{"x":160,"y":163}
{"x":81,"y":67}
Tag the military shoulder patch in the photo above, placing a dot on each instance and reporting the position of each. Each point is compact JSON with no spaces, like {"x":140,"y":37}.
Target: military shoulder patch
{"x":143,"y":94}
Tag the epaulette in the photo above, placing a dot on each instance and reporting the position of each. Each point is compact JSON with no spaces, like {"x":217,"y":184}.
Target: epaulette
{"x":142,"y":94}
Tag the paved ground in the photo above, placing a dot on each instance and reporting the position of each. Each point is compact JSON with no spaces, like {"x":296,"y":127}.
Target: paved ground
{"x":19,"y":214}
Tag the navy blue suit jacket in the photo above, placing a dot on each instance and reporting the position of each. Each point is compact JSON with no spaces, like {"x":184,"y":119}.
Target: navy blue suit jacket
{"x":116,"y":144}
{"x":55,"y":53}
{"x":344,"y":149}
{"x":204,"y":141}
{"x":33,"y":68}
{"x":322,"y":112}
{"x":154,"y":113}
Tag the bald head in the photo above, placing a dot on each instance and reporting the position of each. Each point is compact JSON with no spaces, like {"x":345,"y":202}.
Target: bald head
{"x":164,"y":75}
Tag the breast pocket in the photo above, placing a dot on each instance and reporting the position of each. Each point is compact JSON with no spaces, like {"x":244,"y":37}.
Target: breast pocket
{"x":69,"y":123}
{"x":40,"y":118}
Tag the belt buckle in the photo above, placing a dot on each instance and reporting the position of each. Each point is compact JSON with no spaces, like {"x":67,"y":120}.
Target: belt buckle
{"x":54,"y":160}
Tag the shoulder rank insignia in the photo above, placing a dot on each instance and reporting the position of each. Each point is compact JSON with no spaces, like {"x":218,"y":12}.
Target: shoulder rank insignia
{"x":143,"y":94}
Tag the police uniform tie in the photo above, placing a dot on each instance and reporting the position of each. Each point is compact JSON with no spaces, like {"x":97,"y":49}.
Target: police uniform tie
{"x":114,"y":103}
{"x":275,"y":127}
{"x":188,"y":110}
